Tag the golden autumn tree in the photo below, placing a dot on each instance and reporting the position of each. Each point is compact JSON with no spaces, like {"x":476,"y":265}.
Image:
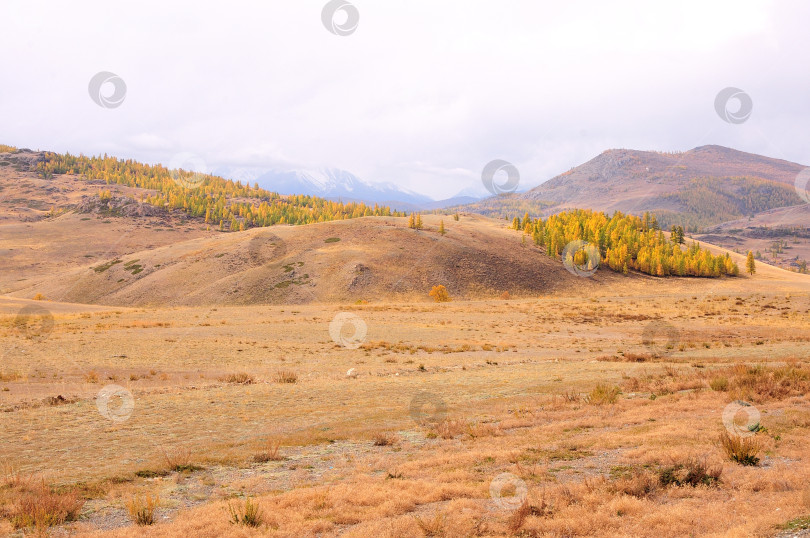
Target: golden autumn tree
{"x":440,"y":294}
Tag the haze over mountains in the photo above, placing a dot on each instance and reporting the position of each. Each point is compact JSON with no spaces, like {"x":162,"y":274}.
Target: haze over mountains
{"x":342,"y":185}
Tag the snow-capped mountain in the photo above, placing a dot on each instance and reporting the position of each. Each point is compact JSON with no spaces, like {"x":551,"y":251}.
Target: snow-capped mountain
{"x":337,"y":184}
{"x":334,"y":183}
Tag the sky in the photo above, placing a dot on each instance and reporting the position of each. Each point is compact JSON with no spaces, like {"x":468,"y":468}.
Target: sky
{"x":422,"y":94}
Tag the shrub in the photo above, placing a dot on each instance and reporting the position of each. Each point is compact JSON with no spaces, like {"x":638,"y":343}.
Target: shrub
{"x":719,"y":384}
{"x":639,"y":484}
{"x":241,"y":378}
{"x":269,"y":452}
{"x":449,"y":428}
{"x":35,"y":504}
{"x":384,"y":439}
{"x":180,"y":461}
{"x":694,"y":472}
{"x":759,"y":383}
{"x":142,"y":509}
{"x":285,"y":376}
{"x":39,"y":297}
{"x":440,"y":294}
{"x":250,"y":515}
{"x":603,"y":394}
{"x":742,"y":450}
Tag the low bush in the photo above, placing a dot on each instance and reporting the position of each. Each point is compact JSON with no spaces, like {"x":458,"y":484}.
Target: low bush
{"x":285,"y":376}
{"x":250,"y":515}
{"x":142,"y":509}
{"x":603,"y":394}
{"x":743,"y":450}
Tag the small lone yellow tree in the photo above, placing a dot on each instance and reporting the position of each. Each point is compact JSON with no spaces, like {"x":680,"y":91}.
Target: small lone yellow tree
{"x":750,"y":264}
{"x":455,"y":217}
{"x":440,"y":294}
{"x":411,"y":221}
{"x":418,"y":221}
{"x":441,"y":227}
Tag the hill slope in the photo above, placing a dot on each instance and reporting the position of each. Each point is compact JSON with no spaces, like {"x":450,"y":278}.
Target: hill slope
{"x":703,"y":186}
{"x":344,"y":261}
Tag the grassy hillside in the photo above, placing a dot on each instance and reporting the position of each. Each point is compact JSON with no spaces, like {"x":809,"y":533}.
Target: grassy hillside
{"x":223,"y":202}
{"x":707,"y":201}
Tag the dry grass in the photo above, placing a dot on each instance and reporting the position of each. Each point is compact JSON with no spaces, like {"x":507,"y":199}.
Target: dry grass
{"x":285,"y":376}
{"x":179,"y":460}
{"x":433,"y":525}
{"x":28,"y":502}
{"x":743,"y":450}
{"x":527,"y":406}
{"x":719,"y":384}
{"x":91,"y":377}
{"x":385,"y":439}
{"x":142,"y":509}
{"x":249,"y":514}
{"x":603,"y":394}
{"x":241,"y":378}
{"x":692,"y":472}
{"x":269,"y":452}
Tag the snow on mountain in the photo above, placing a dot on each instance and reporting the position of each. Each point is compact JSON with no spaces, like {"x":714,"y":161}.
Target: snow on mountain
{"x":337,"y":184}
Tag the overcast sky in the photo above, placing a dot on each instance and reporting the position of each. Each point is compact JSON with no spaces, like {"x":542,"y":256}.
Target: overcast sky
{"x":422,"y":93}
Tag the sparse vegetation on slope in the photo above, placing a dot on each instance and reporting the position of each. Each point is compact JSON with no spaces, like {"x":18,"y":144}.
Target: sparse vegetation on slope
{"x":222,"y":202}
{"x":710,"y":200}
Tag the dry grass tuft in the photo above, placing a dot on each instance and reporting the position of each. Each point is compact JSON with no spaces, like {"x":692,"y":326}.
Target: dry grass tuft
{"x":28,"y":502}
{"x":518,"y":518}
{"x":693,"y":472}
{"x":742,"y":450}
{"x":250,"y":515}
{"x":450,"y":428}
{"x":640,"y":483}
{"x":385,"y":439}
{"x":241,"y":378}
{"x":603,"y":394}
{"x":179,"y":461}
{"x":432,"y":526}
{"x":269,"y":452}
{"x":285,"y":376}
{"x":142,"y":509}
{"x":719,"y":384}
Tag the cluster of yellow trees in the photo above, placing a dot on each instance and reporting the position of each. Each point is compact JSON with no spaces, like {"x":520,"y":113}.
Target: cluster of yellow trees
{"x":223,"y":202}
{"x":626,"y":242}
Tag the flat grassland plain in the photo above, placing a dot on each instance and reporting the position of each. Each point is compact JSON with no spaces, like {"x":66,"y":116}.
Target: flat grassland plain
{"x":596,"y":413}
{"x":298,"y":381}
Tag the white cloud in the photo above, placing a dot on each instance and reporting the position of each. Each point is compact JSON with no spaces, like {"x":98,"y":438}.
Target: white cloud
{"x":423,"y":94}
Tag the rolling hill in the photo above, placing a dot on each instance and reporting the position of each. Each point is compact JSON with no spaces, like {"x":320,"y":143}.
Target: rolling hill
{"x":117,"y":242}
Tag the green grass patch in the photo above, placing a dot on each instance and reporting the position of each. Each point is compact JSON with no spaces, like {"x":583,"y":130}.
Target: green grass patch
{"x":797,"y":524}
{"x":103,"y":267}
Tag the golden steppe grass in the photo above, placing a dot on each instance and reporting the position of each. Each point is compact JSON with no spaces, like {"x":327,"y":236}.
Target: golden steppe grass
{"x":560,"y":391}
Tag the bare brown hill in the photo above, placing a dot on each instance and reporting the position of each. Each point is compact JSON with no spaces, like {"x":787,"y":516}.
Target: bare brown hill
{"x":343,"y":261}
{"x":703,"y":186}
